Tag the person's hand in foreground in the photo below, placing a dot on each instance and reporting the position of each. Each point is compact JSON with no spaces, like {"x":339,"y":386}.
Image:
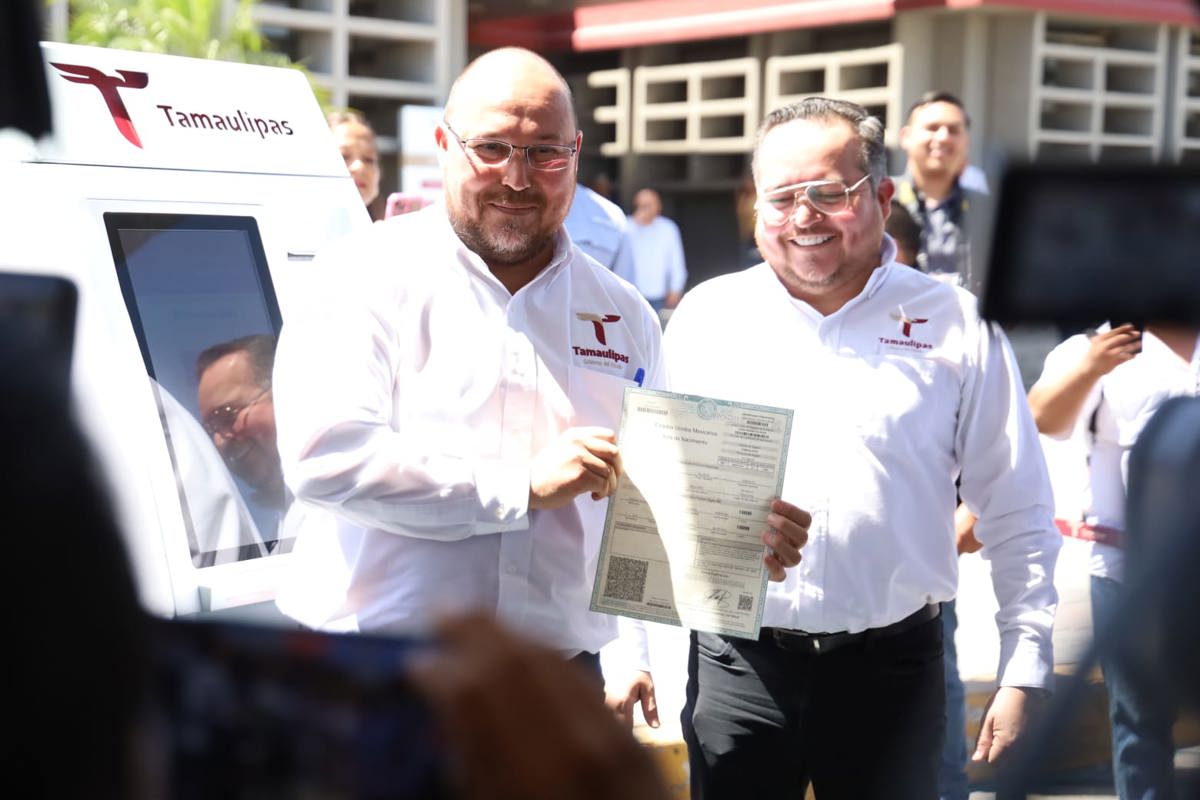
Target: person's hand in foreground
{"x":523,"y":723}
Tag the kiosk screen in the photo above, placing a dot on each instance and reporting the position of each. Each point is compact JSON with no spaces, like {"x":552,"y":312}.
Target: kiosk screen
{"x":200,"y":298}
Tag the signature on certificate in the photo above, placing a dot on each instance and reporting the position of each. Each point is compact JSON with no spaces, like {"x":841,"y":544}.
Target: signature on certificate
{"x":718,"y":598}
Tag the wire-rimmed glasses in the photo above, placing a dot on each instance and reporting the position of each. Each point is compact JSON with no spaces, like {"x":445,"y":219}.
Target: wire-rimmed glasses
{"x":496,"y":152}
{"x":826,"y":197}
{"x":222,"y":419}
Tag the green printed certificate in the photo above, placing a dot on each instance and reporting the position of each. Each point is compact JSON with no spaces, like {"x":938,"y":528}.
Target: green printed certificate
{"x":683,"y":537}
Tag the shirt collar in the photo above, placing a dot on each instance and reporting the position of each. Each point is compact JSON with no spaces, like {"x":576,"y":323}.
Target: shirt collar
{"x":953,"y":200}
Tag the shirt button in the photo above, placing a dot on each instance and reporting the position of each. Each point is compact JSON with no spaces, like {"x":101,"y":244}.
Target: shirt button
{"x":511,"y":568}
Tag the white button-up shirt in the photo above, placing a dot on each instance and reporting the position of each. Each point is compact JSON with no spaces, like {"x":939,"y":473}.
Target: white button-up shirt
{"x":410,"y":396}
{"x":656,"y":265}
{"x":893,"y":394}
{"x":1123,"y":401}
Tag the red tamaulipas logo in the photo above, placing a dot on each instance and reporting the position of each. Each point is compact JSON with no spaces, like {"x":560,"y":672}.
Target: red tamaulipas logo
{"x":598,"y":323}
{"x":108,"y":86}
{"x":906,"y":322}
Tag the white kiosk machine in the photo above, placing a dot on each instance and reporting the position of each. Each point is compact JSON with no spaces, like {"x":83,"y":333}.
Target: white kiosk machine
{"x":185,"y":199}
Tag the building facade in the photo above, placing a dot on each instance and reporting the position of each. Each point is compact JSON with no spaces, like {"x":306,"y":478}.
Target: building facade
{"x":670,"y":92}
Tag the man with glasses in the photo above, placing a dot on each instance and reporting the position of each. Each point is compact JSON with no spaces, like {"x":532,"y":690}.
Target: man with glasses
{"x":897,"y":387}
{"x":452,"y":392}
{"x":238,"y":412}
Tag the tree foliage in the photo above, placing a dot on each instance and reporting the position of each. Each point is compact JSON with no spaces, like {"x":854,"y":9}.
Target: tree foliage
{"x":197,"y":28}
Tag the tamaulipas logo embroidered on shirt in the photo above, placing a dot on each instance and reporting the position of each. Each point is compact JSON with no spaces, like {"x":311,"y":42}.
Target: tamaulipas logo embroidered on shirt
{"x":598,"y":322}
{"x":906,"y":329}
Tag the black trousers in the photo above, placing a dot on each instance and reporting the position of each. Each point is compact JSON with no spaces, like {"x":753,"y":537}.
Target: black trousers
{"x":863,"y":721}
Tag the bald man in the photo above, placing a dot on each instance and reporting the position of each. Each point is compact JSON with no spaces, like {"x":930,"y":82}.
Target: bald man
{"x":451,"y":393}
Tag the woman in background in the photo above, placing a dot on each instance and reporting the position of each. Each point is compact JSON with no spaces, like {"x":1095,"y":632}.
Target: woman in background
{"x":356,"y":140}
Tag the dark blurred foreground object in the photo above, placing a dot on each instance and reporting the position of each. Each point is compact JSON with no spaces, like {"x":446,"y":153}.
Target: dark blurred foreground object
{"x":1164,"y":548}
{"x":41,"y":309}
{"x":1157,"y":629}
{"x":24,"y":100}
{"x":255,"y":713}
{"x":1077,"y":245}
{"x":76,"y":638}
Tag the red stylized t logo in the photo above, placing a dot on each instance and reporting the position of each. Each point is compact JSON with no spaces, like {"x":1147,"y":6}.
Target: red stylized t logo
{"x":906,"y":322}
{"x":108,"y":86}
{"x":598,"y":323}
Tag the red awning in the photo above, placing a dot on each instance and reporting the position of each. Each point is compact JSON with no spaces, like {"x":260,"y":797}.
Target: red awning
{"x":644,"y":22}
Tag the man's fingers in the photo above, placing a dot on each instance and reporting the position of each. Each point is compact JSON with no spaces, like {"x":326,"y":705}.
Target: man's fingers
{"x":786,"y":535}
{"x":983,"y":744}
{"x":784,"y":551}
{"x":794,"y":513}
{"x":775,"y":569}
{"x":649,"y":706}
{"x":595,"y":464}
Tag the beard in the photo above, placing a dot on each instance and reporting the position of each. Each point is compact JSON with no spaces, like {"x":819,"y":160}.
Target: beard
{"x":507,"y":241}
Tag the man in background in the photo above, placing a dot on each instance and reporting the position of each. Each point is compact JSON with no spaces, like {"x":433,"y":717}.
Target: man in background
{"x":657,"y":267}
{"x":1106,"y":385}
{"x":936,"y":140}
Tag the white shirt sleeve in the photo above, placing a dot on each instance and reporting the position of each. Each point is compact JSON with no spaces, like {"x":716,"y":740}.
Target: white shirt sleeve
{"x":1005,"y":485}
{"x":334,"y":403}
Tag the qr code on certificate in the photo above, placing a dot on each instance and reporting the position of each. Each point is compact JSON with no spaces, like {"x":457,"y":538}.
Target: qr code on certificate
{"x":745,"y":602}
{"x":626,"y":579}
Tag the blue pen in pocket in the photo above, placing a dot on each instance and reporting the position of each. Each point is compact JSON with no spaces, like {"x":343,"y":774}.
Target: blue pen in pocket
{"x":639,"y":376}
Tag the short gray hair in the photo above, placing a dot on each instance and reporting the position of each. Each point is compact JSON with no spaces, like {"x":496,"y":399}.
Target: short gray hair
{"x":873,"y":155}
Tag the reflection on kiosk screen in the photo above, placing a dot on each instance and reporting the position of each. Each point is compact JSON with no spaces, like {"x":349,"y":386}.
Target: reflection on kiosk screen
{"x":268,"y":713}
{"x":192,"y":282}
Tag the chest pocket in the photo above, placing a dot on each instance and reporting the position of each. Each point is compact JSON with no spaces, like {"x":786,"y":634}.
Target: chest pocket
{"x":896,"y":401}
{"x":596,"y":398}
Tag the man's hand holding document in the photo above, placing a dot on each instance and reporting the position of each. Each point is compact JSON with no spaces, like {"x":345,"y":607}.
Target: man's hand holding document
{"x":684,"y":537}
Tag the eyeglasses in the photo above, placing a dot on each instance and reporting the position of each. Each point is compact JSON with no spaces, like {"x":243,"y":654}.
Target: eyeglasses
{"x":495,"y":153}
{"x":222,"y":419}
{"x":825,"y":197}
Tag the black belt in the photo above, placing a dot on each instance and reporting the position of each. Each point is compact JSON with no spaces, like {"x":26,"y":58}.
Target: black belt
{"x":817,"y":643}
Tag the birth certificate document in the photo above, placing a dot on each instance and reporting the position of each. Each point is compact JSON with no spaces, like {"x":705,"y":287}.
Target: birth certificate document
{"x":683,"y":537}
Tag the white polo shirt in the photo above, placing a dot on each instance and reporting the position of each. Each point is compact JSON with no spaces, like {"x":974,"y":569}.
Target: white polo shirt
{"x":1123,"y":401}
{"x":894,"y":394}
{"x":410,"y":396}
